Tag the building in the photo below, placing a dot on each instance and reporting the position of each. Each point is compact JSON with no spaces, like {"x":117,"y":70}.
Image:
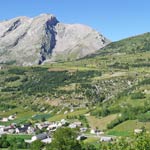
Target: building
{"x":137,"y":131}
{"x":75,"y":124}
{"x":41,"y":136}
{"x":83,"y":129}
{"x":44,"y":137}
{"x":81,"y":137}
{"x":106,"y":139}
{"x":5,"y":120}
{"x":47,"y":140}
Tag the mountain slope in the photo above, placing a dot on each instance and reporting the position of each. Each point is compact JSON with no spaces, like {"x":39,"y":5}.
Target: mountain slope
{"x":115,"y":81}
{"x":28,"y":41}
{"x":139,"y":43}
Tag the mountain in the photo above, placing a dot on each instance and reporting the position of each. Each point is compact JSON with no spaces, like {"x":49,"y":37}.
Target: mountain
{"x":29,"y":41}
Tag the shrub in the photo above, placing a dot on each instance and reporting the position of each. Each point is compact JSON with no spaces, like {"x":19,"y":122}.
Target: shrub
{"x":12,"y":79}
{"x":138,"y":95}
{"x":144,"y":117}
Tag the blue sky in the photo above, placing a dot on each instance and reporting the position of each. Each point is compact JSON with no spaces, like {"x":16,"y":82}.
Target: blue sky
{"x":116,"y":19}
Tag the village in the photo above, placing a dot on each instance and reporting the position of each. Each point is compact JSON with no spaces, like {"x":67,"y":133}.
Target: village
{"x":43,"y":131}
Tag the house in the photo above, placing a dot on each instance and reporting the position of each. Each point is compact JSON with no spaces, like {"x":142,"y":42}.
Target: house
{"x":47,"y":140}
{"x":64,"y":122}
{"x":66,"y":112}
{"x":92,"y":131}
{"x":11,"y":131}
{"x":106,"y":139}
{"x":44,"y":137}
{"x":137,"y":131}
{"x":78,"y":124}
{"x":72,"y":110}
{"x":2,"y":128}
{"x":11,"y":117}
{"x":30,"y":130}
{"x":42,"y":125}
{"x":5,"y":120}
{"x":81,"y":137}
{"x":22,"y":129}
{"x":72,"y":126}
{"x":41,"y":136}
{"x":96,"y":131}
{"x":52,"y":127}
{"x":6,"y":129}
{"x":101,"y":133}
{"x":83,"y":129}
{"x":75,"y":124}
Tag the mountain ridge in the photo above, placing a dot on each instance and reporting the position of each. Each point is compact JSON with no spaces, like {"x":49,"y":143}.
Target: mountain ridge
{"x":30,"y":41}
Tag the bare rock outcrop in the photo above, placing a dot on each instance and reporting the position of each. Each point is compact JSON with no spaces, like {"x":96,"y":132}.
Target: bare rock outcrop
{"x":31,"y":41}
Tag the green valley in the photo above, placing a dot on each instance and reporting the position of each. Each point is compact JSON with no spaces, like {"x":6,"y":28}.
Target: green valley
{"x":108,"y":91}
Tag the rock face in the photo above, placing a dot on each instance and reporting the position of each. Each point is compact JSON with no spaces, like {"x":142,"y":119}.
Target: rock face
{"x":31,"y":41}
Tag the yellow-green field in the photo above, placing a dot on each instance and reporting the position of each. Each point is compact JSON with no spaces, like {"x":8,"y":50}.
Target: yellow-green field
{"x":127,"y":128}
{"x":100,"y":123}
{"x":64,"y":116}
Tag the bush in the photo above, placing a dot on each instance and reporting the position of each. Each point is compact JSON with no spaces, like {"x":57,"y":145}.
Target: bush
{"x":117,"y":122}
{"x":64,"y":139}
{"x":12,"y":79}
{"x":18,"y":71}
{"x":138,"y":95}
{"x":144,"y":117}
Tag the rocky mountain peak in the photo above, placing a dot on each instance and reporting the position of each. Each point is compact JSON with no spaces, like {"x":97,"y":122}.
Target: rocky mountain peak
{"x":30,"y":41}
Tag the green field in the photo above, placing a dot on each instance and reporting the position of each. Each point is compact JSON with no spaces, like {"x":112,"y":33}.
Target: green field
{"x":70,"y":114}
{"x":100,"y":123}
{"x":127,"y":128}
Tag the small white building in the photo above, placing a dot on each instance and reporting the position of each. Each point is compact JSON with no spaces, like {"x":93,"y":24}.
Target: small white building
{"x":72,"y":126}
{"x":75,"y":124}
{"x":78,"y":124}
{"x":81,"y":137}
{"x":30,"y":130}
{"x":44,"y":137}
{"x":41,"y":136}
{"x":83,"y":129}
{"x":47,"y":140}
{"x":2,"y":129}
{"x":52,"y":127}
{"x":66,"y":112}
{"x":106,"y":139}
{"x":11,"y":117}
{"x":137,"y":131}
{"x":5,"y":120}
{"x":11,"y":131}
{"x":63,"y":121}
{"x":92,"y":131}
{"x":17,"y":131}
{"x":101,"y":133}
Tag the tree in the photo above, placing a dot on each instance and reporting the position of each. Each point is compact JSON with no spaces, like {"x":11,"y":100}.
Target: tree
{"x":64,"y":139}
{"x":142,"y":142}
{"x":43,"y":119}
{"x":36,"y":145}
{"x":4,"y":142}
{"x":89,"y":147}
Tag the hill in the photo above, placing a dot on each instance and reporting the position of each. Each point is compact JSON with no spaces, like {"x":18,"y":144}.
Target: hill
{"x":113,"y":82}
